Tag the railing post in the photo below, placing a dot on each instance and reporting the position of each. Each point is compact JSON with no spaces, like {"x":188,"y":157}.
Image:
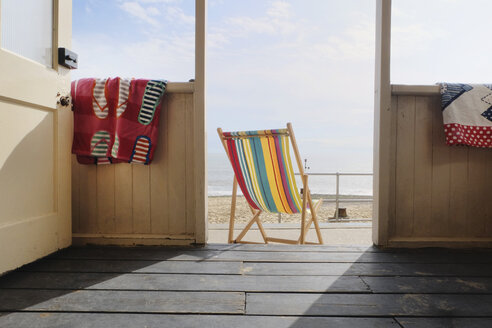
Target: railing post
{"x":337,"y":195}
{"x":279,"y":217}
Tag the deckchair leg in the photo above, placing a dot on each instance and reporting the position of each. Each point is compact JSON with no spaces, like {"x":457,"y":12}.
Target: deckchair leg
{"x":315,"y":219}
{"x":262,"y":231}
{"x":248,"y":226}
{"x":304,"y":207}
{"x":233,"y":211}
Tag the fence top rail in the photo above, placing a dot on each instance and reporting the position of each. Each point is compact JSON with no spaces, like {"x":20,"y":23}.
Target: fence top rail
{"x":337,"y":173}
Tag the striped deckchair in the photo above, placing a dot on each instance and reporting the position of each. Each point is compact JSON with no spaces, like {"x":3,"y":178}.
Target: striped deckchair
{"x":263,"y":170}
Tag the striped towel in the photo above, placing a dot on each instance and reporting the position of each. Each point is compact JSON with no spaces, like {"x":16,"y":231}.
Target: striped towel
{"x":116,"y":120}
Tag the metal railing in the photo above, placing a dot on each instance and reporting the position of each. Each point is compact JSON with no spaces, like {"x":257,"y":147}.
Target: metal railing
{"x":337,"y":199}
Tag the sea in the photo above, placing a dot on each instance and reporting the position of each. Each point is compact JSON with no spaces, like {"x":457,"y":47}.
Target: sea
{"x":220,"y":174}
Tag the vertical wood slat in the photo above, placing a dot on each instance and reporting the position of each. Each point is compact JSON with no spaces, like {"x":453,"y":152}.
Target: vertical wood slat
{"x":383,"y":118}
{"x":159,"y":168}
{"x":199,"y":126}
{"x":458,"y":189}
{"x":88,"y":199}
{"x":440,"y":175}
{"x":176,"y":184}
{"x":190,"y":177}
{"x":141,"y":199}
{"x":392,"y":168}
{"x":423,"y":166}
{"x":488,"y":218}
{"x":123,"y":197}
{"x":105,"y":198}
{"x":75,"y":194}
{"x":477,"y":191}
{"x":405,"y":154}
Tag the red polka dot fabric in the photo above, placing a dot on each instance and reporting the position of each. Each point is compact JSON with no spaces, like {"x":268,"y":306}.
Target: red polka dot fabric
{"x":476,"y":136}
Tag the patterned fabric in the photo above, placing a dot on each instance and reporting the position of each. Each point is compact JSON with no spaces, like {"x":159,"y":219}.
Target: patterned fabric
{"x":263,"y":168}
{"x":116,"y":120}
{"x":467,"y":114}
{"x":152,"y":97}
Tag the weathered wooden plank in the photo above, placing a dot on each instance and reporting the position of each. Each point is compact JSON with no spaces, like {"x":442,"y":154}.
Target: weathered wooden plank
{"x":121,"y":301}
{"x":445,"y":322}
{"x":289,"y":248}
{"x":123,"y":320}
{"x":457,"y":285}
{"x":123,"y":186}
{"x":176,"y":152}
{"x":405,"y":164}
{"x":145,"y":253}
{"x":105,"y":198}
{"x":115,"y":266}
{"x":433,"y":305}
{"x":262,"y":268}
{"x":368,"y":269}
{"x":423,"y":166}
{"x":159,"y":209}
{"x":184,"y":282}
{"x":141,"y":199}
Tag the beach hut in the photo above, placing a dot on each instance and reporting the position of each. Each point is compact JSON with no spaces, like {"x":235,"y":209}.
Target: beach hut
{"x":425,"y":194}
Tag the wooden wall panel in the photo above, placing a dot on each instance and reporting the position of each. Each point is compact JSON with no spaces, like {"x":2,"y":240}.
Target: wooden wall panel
{"x":488,"y":204}
{"x":405,"y":165}
{"x":154,"y":204}
{"x":440,"y":175}
{"x":190,"y":176}
{"x":477,"y":192}
{"x":106,"y":198}
{"x":123,"y":198}
{"x":88,"y":221}
{"x":75,"y":195}
{"x":423,"y":166}
{"x":176,"y":186}
{"x":458,"y":190}
{"x":440,"y":191}
{"x":159,"y":209}
{"x":141,"y":199}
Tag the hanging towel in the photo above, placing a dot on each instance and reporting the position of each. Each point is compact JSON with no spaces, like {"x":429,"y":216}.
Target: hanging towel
{"x":116,"y":120}
{"x":467,"y":114}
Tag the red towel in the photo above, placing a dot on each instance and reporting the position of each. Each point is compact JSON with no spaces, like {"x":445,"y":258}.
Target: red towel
{"x":116,"y":120}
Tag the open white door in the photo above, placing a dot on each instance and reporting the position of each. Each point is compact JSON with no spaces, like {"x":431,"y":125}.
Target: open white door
{"x":35,"y":132}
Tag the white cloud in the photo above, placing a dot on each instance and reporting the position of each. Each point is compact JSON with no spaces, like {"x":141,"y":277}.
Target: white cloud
{"x":147,"y":15}
{"x":176,"y":14}
{"x":276,"y":21}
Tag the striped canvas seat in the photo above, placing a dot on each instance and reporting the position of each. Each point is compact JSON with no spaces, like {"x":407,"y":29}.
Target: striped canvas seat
{"x":262,"y":165}
{"x":263,"y":168}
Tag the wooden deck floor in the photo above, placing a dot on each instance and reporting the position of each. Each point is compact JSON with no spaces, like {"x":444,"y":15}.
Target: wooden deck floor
{"x":250,"y":286}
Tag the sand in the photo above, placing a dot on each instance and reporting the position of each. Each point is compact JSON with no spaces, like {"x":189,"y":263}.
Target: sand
{"x":219,"y":210}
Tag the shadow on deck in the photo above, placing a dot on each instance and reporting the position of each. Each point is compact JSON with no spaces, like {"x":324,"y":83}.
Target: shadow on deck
{"x":251,"y":285}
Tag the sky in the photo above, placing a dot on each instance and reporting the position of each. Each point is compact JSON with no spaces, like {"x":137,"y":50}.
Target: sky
{"x":269,"y":62}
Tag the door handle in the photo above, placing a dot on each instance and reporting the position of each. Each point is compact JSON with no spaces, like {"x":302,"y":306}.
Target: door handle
{"x":63,"y":101}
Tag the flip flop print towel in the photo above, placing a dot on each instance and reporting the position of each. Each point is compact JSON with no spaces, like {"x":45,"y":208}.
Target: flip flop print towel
{"x":116,"y":120}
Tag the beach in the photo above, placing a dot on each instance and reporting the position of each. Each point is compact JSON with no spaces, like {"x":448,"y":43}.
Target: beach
{"x":219,"y":209}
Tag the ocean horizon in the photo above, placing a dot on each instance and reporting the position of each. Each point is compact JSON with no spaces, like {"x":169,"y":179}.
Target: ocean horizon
{"x":220,"y":178}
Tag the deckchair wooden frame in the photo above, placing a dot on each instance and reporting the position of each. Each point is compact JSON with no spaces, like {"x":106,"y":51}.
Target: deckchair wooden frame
{"x":306,"y":199}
